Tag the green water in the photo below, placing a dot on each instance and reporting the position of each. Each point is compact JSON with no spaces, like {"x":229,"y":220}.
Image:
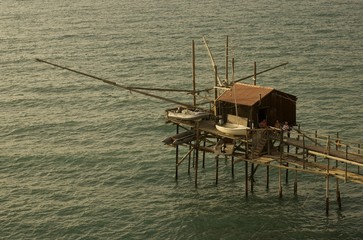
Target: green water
{"x":83,"y":160}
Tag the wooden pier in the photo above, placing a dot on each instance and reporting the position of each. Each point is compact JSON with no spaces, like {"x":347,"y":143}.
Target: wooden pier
{"x":293,"y":150}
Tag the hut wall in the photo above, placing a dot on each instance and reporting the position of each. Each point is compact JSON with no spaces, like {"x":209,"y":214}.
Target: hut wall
{"x":275,"y":106}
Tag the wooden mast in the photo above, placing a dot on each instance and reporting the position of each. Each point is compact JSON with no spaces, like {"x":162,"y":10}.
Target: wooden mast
{"x":254,"y":73}
{"x":193,"y":73}
{"x":227,"y":60}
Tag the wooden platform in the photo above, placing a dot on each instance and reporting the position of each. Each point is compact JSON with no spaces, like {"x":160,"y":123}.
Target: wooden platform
{"x":304,"y":161}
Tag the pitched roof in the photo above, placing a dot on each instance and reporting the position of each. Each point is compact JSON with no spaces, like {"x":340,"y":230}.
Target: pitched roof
{"x":245,"y":94}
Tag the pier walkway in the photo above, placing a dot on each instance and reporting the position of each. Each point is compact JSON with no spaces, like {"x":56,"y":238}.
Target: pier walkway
{"x":295,"y":151}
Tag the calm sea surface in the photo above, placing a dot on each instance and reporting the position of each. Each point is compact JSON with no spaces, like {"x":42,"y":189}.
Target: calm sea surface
{"x":80,"y":159}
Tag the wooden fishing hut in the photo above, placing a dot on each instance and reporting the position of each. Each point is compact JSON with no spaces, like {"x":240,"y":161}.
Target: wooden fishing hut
{"x":257,"y":103}
{"x":273,"y":147}
{"x":301,"y":151}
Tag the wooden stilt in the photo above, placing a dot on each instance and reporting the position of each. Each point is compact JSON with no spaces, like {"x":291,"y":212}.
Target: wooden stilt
{"x":280,"y":184}
{"x":267,"y":177}
{"x":280,"y":162}
{"x":193,"y":73}
{"x":203,"y":154}
{"x":227,"y":59}
{"x":196,"y":153}
{"x":287,"y":174}
{"x":215,"y":89}
{"x":295,"y":183}
{"x":246,"y":179}
{"x":346,"y":164}
{"x":298,"y":138}
{"x":232,"y":167}
{"x":338,"y":194}
{"x":176,"y":156}
{"x":304,"y":150}
{"x":358,"y":153}
{"x":189,"y":159}
{"x":327,"y":190}
{"x":217,"y":165}
{"x":316,"y":143}
{"x":251,"y":178}
{"x":254,"y":73}
{"x":196,"y":169}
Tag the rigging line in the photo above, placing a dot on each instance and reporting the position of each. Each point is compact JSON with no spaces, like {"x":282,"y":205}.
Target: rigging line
{"x":283,"y":64}
{"x":238,"y":80}
{"x":165,"y":89}
{"x":121,"y":86}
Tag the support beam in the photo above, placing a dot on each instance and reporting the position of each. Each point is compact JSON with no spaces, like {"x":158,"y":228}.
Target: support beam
{"x":176,"y":156}
{"x":295,"y":183}
{"x":246,"y":179}
{"x":339,"y":201}
{"x":217,"y":165}
{"x":232,"y":167}
{"x":267,"y":177}
{"x":252,"y":176}
{"x":287,"y":174}
{"x":280,"y":184}
{"x":327,"y":189}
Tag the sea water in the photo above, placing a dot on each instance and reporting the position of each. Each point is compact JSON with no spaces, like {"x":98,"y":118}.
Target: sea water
{"x":80,"y":159}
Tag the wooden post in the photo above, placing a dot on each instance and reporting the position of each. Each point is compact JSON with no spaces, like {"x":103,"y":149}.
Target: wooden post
{"x":189,"y":158}
{"x":304,"y":149}
{"x":280,"y":162}
{"x":233,"y":69}
{"x":246,"y":178}
{"x":339,"y":201}
{"x":328,"y":145}
{"x":295,"y":183}
{"x":196,"y":154}
{"x":280,"y":184}
{"x":252,"y":178}
{"x":217,"y":165}
{"x":215,"y":90}
{"x":254,"y":73}
{"x":193,"y":74}
{"x":346,"y":165}
{"x":267,"y":177}
{"x":176,"y":155}
{"x":316,"y":143}
{"x":358,"y":153}
{"x":227,"y":59}
{"x":287,"y":174}
{"x":298,"y":138}
{"x":327,"y":190}
{"x":232,"y":167}
{"x":204,"y":154}
{"x":196,"y":169}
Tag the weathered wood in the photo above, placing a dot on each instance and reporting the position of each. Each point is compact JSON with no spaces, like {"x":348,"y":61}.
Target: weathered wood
{"x":217,"y":165}
{"x":252,"y":177}
{"x":193,"y":73}
{"x":327,"y":189}
{"x":339,"y":201}
{"x":246,"y":178}
{"x":232,"y":167}
{"x":269,"y":69}
{"x":267,"y":177}
{"x":121,"y":86}
{"x":227,"y":59}
{"x":176,"y":155}
{"x":212,"y":61}
{"x":254,"y":73}
{"x":295,"y":184}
